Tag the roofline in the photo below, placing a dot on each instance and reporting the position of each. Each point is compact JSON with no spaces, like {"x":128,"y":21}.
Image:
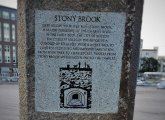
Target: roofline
{"x":154,"y":73}
{"x":8,"y":7}
{"x":161,"y":56}
{"x":149,"y":50}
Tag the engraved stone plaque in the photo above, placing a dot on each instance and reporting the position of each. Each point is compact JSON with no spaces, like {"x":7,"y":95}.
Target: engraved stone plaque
{"x":78,"y":60}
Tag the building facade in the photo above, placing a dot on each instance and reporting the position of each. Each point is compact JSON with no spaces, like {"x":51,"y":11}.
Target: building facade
{"x":153,"y":53}
{"x":161,"y":60}
{"x":148,"y":53}
{"x":8,"y":42}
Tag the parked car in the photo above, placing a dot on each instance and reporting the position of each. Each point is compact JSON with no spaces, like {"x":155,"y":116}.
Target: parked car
{"x":161,"y":85}
{"x":12,"y":79}
{"x":141,"y":78}
{"x":141,"y":83}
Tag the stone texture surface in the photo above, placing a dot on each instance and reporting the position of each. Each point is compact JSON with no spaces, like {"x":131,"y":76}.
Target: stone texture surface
{"x":26,"y":44}
{"x":103,"y":86}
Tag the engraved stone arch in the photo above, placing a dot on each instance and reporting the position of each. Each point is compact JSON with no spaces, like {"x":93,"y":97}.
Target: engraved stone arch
{"x":75,"y":98}
{"x":76,"y":86}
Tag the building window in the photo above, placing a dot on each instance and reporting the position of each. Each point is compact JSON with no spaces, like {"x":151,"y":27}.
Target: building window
{"x":14,"y":59}
{"x":7,"y":58}
{"x":163,"y":68}
{"x":7,"y":48}
{"x":13,"y":17}
{"x":13,"y":33}
{"x":0,"y":53}
{"x":147,"y":54}
{"x":5,"y":15}
{"x":0,"y":33}
{"x":14,"y":54}
{"x":6,"y":28}
{"x":7,"y":54}
{"x":14,"y":49}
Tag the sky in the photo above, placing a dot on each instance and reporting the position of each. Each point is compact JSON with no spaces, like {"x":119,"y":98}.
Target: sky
{"x":153,"y":25}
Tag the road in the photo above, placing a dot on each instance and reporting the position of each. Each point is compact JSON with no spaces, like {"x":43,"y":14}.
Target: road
{"x":149,"y":103}
{"x":9,"y":102}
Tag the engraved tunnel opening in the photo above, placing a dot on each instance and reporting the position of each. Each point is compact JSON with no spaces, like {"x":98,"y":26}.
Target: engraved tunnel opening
{"x":75,"y":96}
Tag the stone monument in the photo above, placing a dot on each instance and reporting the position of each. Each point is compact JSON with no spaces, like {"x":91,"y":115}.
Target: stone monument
{"x":78,"y":59}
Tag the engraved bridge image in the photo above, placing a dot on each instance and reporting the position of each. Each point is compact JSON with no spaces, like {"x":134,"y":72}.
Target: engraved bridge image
{"x":76,"y":86}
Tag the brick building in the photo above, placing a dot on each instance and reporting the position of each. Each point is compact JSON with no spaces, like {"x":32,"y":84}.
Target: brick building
{"x":8,"y":42}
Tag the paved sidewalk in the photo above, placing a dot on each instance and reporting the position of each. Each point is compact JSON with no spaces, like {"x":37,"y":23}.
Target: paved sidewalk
{"x":9,"y":101}
{"x":149,"y":103}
